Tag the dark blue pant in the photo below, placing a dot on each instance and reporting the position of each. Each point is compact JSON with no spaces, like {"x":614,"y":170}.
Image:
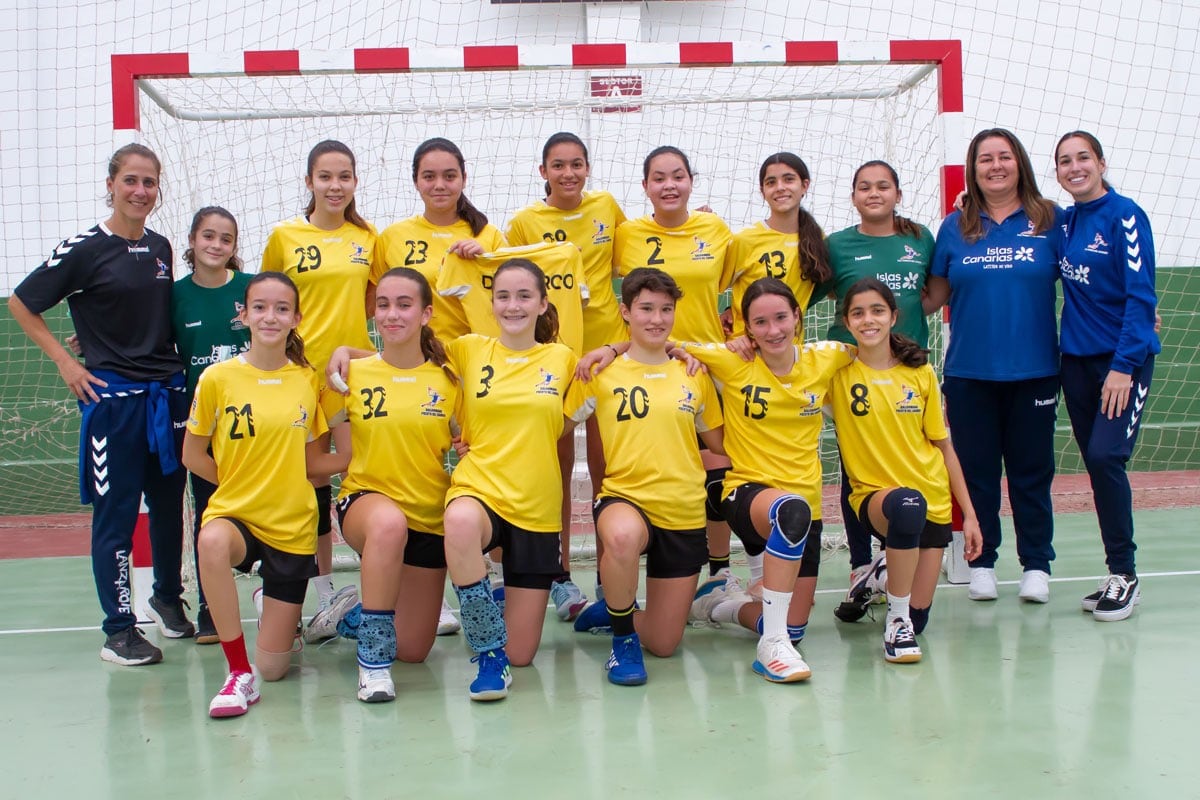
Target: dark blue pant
{"x":120,"y":468}
{"x":1106,"y":445}
{"x":202,"y":492}
{"x":857,"y":538}
{"x":1007,"y":424}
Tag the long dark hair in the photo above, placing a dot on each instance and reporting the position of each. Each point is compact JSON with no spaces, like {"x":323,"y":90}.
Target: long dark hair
{"x":1093,"y":143}
{"x":563,"y":137}
{"x":431,"y":346}
{"x":294,"y":348}
{"x":332,"y":146}
{"x":475,"y":218}
{"x":902,"y":226}
{"x":546,"y":328}
{"x":1038,"y":209}
{"x":906,"y":351}
{"x":765,"y":286}
{"x":813,"y":252}
{"x":189,"y":255}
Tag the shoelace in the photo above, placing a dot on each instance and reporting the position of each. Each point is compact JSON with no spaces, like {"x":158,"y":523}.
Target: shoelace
{"x":231,"y":684}
{"x":903,"y":633}
{"x":489,"y":662}
{"x":1116,"y":586}
{"x":626,"y":650}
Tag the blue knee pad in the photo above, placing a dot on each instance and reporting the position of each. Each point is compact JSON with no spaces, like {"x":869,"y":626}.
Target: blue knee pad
{"x":905,"y":510}
{"x":919,"y":617}
{"x":482,"y":620}
{"x":790,"y":519}
{"x":377,"y":639}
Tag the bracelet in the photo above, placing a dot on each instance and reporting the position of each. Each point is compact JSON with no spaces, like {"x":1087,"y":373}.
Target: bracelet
{"x":610,"y":347}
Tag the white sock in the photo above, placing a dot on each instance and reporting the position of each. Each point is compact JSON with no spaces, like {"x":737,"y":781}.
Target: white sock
{"x":775,"y":611}
{"x":323,"y":584}
{"x":898,"y":607}
{"x":756,"y":567}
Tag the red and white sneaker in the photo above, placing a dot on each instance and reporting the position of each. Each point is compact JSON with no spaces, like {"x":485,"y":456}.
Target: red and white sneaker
{"x":236,"y":696}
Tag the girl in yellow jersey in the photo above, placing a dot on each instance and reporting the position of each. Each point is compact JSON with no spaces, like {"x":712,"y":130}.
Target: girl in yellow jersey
{"x":788,"y":245}
{"x":392,"y":431}
{"x":772,"y":494}
{"x":652,"y":498}
{"x":448,"y":223}
{"x":589,"y":220}
{"x":902,"y":468}
{"x":505,"y":492}
{"x":328,"y":252}
{"x":691,"y":248}
{"x":259,"y":414}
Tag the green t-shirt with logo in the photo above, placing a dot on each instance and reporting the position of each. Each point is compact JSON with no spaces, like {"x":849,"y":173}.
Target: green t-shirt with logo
{"x":206,"y":323}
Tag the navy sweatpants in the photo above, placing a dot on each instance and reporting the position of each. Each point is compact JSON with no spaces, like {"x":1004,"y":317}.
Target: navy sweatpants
{"x":119,"y":468}
{"x":1008,"y":424}
{"x":1106,"y":445}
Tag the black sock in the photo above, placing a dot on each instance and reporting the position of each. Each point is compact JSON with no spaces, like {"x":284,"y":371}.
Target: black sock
{"x":561,"y":578}
{"x":717,"y":563}
{"x":622,"y":621}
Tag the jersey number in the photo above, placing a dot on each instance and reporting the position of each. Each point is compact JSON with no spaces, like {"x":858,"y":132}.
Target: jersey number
{"x":860,"y":406}
{"x":309,"y":258}
{"x":654,"y":260}
{"x":416,"y":252}
{"x":756,"y":396}
{"x":373,"y":399}
{"x":635,"y":403}
{"x":558,"y":236}
{"x":486,"y":381}
{"x":773,"y":264}
{"x":240,"y":415}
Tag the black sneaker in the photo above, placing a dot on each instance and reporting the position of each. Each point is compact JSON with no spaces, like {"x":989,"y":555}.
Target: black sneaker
{"x":1118,"y":598}
{"x":171,"y":618}
{"x":864,"y":588}
{"x":206,"y":632}
{"x":129,"y":649}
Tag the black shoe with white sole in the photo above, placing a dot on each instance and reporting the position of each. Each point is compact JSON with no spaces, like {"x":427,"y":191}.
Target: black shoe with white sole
{"x":171,"y":618}
{"x":129,"y":649}
{"x":1117,"y":598}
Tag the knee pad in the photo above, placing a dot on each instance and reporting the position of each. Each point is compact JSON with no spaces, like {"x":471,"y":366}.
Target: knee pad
{"x":377,"y":639}
{"x":790,"y":519}
{"x":714,"y":480}
{"x":272,"y":666}
{"x":919,"y":617}
{"x":482,"y":620}
{"x":347,"y":626}
{"x":905,"y":511}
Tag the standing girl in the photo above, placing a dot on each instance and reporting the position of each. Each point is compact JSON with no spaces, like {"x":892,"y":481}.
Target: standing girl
{"x":206,"y":320}
{"x":392,"y":431}
{"x":1108,"y":349}
{"x":896,"y":251}
{"x":902,"y":468}
{"x":589,"y":220}
{"x":257,"y":415}
{"x":328,"y":252}
{"x":116,"y":279}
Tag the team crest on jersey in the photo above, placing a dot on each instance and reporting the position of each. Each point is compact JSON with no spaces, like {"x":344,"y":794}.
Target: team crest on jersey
{"x":911,"y":256}
{"x":908,"y":404}
{"x":358,"y":254}
{"x":701,"y":252}
{"x":1070,"y":272}
{"x":814,"y":403}
{"x":430,"y":407}
{"x":545,"y":384}
{"x":602,"y":235}
{"x":162,"y":271}
{"x":302,"y":420}
{"x":1031,"y":233}
{"x":688,"y":401}
{"x":1098,"y":245}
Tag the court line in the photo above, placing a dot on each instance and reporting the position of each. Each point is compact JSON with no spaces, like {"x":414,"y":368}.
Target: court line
{"x":1087,"y":578}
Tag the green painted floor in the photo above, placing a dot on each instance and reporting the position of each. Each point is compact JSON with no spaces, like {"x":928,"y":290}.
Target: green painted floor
{"x":1011,"y":700}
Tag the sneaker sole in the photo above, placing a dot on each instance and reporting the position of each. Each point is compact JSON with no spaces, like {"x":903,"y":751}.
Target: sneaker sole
{"x":901,"y":658}
{"x":983,"y":597}
{"x":377,"y":697}
{"x":775,"y":677}
{"x":224,"y":712}
{"x":489,"y":695}
{"x":627,"y":680}
{"x":448,"y":629}
{"x":115,"y":658}
{"x":207,"y":638}
{"x":1035,"y":598}
{"x":1089,"y":606}
{"x":1120,"y":613}
{"x":170,"y":633}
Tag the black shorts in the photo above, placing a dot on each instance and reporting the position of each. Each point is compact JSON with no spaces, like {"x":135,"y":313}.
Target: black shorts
{"x":736,"y":508}
{"x":284,"y":575}
{"x":422,"y":549}
{"x":532,"y":560}
{"x":669,"y":553}
{"x":935,"y":534}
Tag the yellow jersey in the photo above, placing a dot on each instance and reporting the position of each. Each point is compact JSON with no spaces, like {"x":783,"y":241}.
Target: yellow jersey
{"x":400,"y":429}
{"x":511,"y":409}
{"x":648,"y":416}
{"x":761,"y":252}
{"x":259,"y":422}
{"x":418,"y":243}
{"x":886,"y":421}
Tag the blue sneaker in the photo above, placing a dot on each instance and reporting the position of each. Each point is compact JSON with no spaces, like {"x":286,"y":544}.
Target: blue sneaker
{"x":494,"y":676}
{"x":625,"y":667}
{"x":347,"y":626}
{"x":594,"y":619}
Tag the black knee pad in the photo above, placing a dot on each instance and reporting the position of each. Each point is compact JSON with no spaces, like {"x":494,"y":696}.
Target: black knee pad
{"x":713,"y":481}
{"x":905,"y":511}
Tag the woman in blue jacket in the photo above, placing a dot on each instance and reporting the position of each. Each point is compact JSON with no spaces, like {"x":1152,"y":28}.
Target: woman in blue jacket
{"x":1108,"y":349}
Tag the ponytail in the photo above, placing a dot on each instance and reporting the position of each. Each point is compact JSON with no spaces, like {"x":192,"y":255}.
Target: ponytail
{"x":471,"y":215}
{"x":545,"y":330}
{"x":435,"y":352}
{"x":294,"y":349}
{"x":903,"y":226}
{"x":908,"y":352}
{"x":813,"y":251}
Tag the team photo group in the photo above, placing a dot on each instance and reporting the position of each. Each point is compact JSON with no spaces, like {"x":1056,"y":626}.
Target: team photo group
{"x":255,"y":380}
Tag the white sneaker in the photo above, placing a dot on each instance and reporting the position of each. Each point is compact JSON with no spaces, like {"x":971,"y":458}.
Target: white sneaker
{"x":1035,"y":586}
{"x":721,"y":588}
{"x":375,"y":685}
{"x":983,"y":584}
{"x":323,"y":625}
{"x":236,"y":696}
{"x":447,"y":622}
{"x":900,"y":643}
{"x":779,"y":662}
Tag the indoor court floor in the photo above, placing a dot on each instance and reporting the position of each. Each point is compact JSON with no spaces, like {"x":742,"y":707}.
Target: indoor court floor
{"x":1011,"y":700}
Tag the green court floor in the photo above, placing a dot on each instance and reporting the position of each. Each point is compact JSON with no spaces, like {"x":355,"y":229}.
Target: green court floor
{"x":1012,"y":700}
